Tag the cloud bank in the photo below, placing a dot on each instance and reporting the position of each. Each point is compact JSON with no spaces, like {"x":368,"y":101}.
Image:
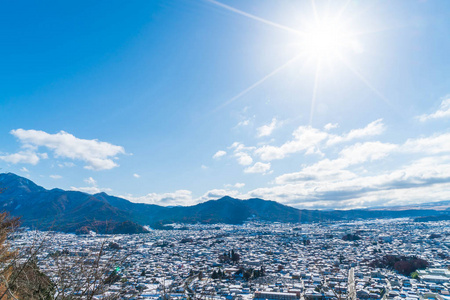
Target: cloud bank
{"x":96,"y":155}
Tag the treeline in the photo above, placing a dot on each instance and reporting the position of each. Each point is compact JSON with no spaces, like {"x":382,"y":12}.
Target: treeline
{"x":229,"y":256}
{"x":351,"y":237}
{"x":444,"y":217}
{"x":402,"y":264}
{"x":250,"y":273}
{"x":246,"y":273}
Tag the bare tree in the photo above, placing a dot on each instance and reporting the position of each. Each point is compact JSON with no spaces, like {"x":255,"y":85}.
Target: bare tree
{"x":7,"y":257}
{"x":84,"y":276}
{"x":72,"y":276}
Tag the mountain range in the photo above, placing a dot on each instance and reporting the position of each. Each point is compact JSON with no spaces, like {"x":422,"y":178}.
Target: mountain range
{"x":74,"y":211}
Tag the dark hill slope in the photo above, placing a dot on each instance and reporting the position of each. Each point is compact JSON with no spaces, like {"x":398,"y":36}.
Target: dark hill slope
{"x":225,"y":210}
{"x":55,"y":209}
{"x":74,"y":211}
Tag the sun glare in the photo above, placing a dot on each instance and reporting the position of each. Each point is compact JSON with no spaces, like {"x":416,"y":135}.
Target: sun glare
{"x":322,"y":39}
{"x":326,"y":40}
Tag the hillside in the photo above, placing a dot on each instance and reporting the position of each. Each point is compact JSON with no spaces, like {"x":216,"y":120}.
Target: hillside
{"x":73,"y":211}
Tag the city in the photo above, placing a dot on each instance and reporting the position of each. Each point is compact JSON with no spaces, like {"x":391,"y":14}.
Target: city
{"x":260,"y":260}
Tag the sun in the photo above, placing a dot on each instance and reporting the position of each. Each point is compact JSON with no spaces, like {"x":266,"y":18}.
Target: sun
{"x":327,"y":40}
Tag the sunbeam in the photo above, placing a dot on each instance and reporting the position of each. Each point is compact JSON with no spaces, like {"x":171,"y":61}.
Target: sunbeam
{"x":258,"y":83}
{"x":256,"y":18}
{"x":366,"y":82}
{"x":313,"y":100}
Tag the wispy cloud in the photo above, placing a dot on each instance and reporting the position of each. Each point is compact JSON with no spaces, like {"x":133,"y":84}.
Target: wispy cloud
{"x":435,"y":144}
{"x":442,"y":112}
{"x":372,"y":129}
{"x":179,"y":197}
{"x":237,"y":185}
{"x":310,"y":140}
{"x":267,"y":130}
{"x":355,"y":179}
{"x":219,"y":154}
{"x":67,"y":164}
{"x":327,"y":169}
{"x":258,"y":167}
{"x":91,"y":181}
{"x":305,"y":138}
{"x":330,"y":126}
{"x":92,"y":188}
{"x":243,"y":123}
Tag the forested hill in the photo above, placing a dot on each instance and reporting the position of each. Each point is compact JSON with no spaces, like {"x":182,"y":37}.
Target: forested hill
{"x":74,"y":211}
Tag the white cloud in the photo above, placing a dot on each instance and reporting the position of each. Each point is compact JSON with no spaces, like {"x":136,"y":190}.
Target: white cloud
{"x":435,"y":144}
{"x":66,"y":165}
{"x":23,"y":169}
{"x":22,"y":157}
{"x":136,"y":175}
{"x":90,"y":189}
{"x":180,"y":197}
{"x":334,"y":186}
{"x":241,"y":153}
{"x":375,"y":128}
{"x":267,"y":130}
{"x":91,"y":181}
{"x":442,"y":112}
{"x":369,"y":151}
{"x":354,"y":179}
{"x":219,"y":154}
{"x":243,"y":123}
{"x":361,"y":175}
{"x":237,"y":185}
{"x":327,"y":169}
{"x":305,"y":139}
{"x":243,"y":158}
{"x":217,"y":194}
{"x":96,"y":154}
{"x":330,"y":126}
{"x":405,"y":185}
{"x":239,"y":147}
{"x":310,"y":140}
{"x":55,"y":176}
{"x":258,"y":167}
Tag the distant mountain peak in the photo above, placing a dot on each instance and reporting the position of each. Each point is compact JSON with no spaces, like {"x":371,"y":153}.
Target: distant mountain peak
{"x":10,"y":181}
{"x":227,"y":198}
{"x":62,"y":210}
{"x":101,"y":194}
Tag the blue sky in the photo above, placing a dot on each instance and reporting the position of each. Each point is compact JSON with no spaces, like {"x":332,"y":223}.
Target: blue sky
{"x":315,"y":104}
